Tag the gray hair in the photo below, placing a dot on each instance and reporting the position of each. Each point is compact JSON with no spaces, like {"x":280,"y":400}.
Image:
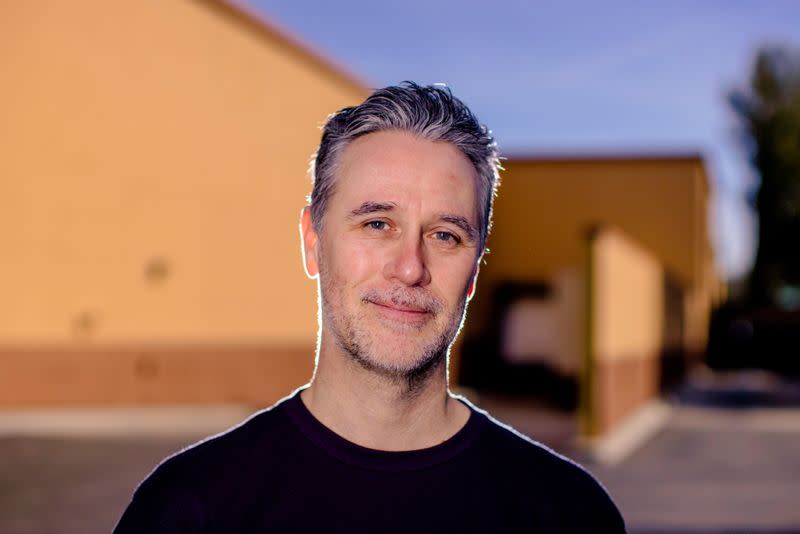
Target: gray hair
{"x":430,"y":112}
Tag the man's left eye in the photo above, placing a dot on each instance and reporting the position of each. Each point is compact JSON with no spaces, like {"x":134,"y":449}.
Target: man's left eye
{"x":446,"y":237}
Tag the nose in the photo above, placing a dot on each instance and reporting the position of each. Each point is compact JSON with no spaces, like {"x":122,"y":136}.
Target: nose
{"x":407,"y":263}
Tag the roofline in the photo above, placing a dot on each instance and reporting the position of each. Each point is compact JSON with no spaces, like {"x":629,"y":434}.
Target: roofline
{"x":590,"y":156}
{"x":599,"y":157}
{"x":263,"y":28}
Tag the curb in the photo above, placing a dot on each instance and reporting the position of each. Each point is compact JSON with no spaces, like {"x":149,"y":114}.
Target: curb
{"x":151,"y":421}
{"x":615,"y":446}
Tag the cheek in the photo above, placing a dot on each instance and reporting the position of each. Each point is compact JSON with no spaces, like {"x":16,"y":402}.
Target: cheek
{"x":452,"y":279}
{"x":354,"y":263}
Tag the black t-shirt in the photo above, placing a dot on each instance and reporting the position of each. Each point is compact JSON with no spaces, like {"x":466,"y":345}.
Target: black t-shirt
{"x":284,"y":471}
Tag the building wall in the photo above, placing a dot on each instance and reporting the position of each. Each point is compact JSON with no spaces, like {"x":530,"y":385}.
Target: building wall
{"x":153,"y":167}
{"x":545,"y":208}
{"x":154,"y":159}
{"x":626,"y":327}
{"x":660,"y":202}
{"x":546,"y":221}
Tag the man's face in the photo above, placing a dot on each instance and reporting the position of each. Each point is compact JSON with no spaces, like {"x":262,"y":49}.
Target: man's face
{"x":397,"y":253}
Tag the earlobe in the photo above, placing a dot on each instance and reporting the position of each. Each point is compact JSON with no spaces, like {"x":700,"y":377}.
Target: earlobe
{"x":309,"y":240}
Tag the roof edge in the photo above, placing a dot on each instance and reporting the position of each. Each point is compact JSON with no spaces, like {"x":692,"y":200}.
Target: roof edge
{"x":264,"y":28}
{"x":594,"y":156}
{"x":589,"y":157}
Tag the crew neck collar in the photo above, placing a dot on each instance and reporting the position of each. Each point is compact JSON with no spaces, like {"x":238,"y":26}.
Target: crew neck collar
{"x":354,"y":454}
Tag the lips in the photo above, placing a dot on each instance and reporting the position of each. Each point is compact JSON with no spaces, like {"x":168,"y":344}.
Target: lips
{"x":401,"y":312}
{"x":401,"y":307}
{"x":401,"y":317}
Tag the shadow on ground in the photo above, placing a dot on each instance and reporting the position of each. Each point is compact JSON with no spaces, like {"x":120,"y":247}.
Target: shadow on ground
{"x":739,"y":390}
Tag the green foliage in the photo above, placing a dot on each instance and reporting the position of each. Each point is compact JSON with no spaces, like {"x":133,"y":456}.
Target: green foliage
{"x":769,"y":110}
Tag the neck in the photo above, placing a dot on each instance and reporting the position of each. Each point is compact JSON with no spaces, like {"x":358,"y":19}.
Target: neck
{"x":381,"y":412}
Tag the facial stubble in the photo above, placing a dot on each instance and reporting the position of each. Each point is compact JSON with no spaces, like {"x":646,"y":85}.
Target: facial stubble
{"x":351,"y":332}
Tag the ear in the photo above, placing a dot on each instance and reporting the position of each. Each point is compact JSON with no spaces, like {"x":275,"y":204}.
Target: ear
{"x":474,"y":282}
{"x":310,"y":241}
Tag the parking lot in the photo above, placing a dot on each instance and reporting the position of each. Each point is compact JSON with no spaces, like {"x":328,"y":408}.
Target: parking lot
{"x":726,"y":461}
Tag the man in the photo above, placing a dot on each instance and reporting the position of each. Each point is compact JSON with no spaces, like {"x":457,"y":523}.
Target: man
{"x":399,"y":215}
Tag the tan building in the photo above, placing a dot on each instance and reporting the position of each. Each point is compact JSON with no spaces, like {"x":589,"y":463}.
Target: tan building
{"x":611,"y":273}
{"x":154,"y":164}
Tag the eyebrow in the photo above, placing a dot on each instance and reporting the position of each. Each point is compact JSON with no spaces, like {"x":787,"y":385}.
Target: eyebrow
{"x":461,"y":222}
{"x":372,"y":207}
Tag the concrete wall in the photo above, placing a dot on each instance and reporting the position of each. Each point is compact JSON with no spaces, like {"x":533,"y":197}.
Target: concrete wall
{"x":154,"y":159}
{"x":625,"y":327}
{"x":546,"y":205}
{"x":655,"y":212}
{"x":549,"y":330}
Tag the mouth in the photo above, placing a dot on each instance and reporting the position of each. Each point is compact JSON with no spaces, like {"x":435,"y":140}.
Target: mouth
{"x":402,"y":313}
{"x":409,"y":309}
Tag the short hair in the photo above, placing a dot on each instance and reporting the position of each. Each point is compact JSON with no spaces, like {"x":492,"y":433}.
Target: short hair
{"x":429,"y":112}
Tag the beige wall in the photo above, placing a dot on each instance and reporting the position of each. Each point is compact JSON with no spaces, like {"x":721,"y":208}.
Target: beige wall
{"x":173,"y":131}
{"x":153,"y":168}
{"x":92,"y":374}
{"x":626,"y":326}
{"x":658,"y":208}
{"x":153,"y":160}
{"x":628,"y":298}
{"x":546,"y":206}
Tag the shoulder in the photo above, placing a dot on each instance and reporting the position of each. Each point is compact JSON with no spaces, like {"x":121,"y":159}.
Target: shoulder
{"x":508,"y":446}
{"x":546,"y":476}
{"x":219,"y":451}
{"x":175,"y":494}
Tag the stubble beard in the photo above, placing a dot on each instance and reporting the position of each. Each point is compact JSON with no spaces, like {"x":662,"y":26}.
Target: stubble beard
{"x":350,"y":330}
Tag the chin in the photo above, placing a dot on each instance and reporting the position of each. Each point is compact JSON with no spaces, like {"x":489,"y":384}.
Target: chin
{"x":394,"y":357}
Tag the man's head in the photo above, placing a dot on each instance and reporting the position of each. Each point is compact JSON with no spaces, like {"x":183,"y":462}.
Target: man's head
{"x":398,"y":220}
{"x":429,"y":112}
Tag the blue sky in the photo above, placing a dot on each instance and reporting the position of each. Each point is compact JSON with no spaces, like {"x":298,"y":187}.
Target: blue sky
{"x":572,"y":76}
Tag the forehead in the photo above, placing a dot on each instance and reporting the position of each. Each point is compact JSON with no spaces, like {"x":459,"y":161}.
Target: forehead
{"x":410,"y":171}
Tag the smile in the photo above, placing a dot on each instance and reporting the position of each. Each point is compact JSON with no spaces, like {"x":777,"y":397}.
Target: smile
{"x":403,"y":314}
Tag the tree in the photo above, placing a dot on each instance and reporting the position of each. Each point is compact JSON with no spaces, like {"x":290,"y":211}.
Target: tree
{"x":769,"y":110}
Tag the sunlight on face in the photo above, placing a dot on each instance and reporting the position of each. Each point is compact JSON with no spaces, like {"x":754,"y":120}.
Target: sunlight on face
{"x":398,"y":252}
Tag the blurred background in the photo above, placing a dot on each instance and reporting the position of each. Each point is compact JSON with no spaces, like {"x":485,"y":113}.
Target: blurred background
{"x":639,"y":309}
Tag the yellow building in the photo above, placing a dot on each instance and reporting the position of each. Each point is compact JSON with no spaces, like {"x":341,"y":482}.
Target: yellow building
{"x":154,"y":164}
{"x":153,"y":168}
{"x":616,"y":257}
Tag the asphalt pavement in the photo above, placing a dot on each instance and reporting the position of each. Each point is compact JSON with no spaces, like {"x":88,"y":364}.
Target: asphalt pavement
{"x":727,"y":460}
